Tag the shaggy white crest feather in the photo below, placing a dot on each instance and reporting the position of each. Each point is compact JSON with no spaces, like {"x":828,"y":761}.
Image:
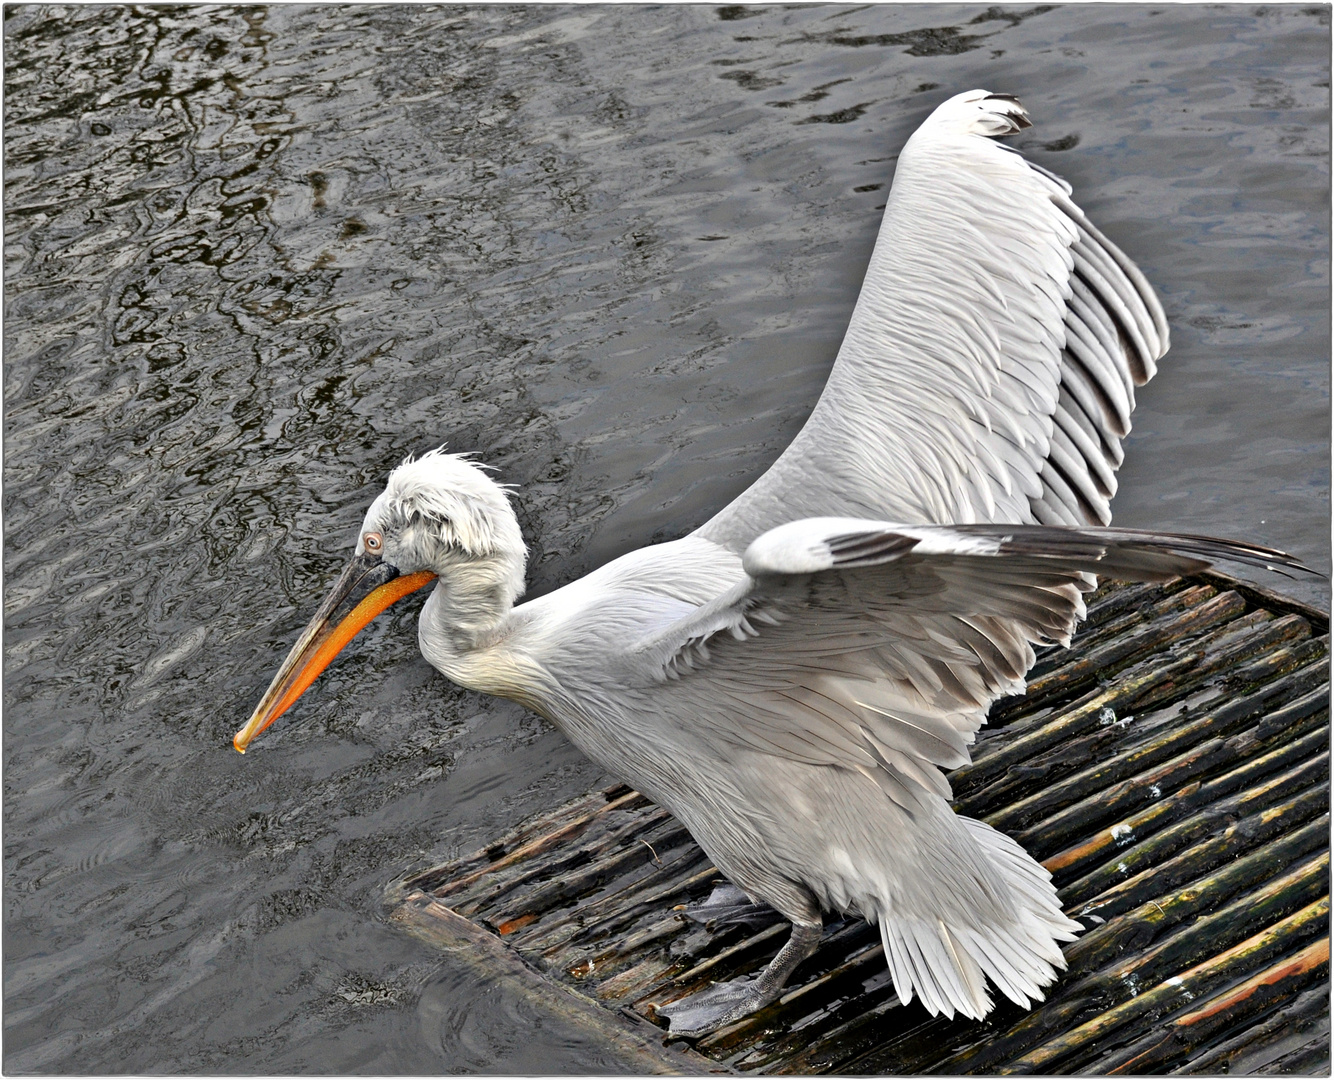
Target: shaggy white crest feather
{"x":458,"y":495}
{"x":443,"y":512}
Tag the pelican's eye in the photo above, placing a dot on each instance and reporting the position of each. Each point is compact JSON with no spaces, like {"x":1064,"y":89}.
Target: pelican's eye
{"x":374,"y":542}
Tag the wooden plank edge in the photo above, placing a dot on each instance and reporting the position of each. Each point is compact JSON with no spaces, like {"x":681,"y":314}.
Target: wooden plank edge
{"x":641,"y":1048}
{"x":1266,"y":598}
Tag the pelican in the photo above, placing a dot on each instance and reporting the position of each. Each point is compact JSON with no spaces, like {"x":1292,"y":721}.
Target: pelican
{"x":790,"y":679}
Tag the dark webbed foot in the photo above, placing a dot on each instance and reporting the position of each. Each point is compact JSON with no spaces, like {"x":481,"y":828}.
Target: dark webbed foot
{"x":724,"y":1003}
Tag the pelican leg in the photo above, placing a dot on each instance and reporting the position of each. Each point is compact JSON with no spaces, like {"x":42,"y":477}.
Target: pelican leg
{"x":723,"y":1003}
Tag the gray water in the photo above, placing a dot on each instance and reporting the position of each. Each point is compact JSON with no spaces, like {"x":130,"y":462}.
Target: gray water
{"x":255,"y":256}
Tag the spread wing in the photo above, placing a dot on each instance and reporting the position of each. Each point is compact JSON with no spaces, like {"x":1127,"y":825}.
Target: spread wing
{"x":988,"y":371}
{"x":879,"y":647}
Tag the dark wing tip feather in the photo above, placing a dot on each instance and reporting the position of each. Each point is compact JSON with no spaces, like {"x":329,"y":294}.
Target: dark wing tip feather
{"x":1136,"y":550}
{"x":1015,"y":118}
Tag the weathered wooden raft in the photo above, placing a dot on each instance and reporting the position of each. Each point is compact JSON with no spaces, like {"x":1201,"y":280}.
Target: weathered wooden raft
{"x":1170,"y":769}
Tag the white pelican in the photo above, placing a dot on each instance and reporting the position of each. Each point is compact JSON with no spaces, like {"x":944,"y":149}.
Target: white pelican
{"x":790,"y":679}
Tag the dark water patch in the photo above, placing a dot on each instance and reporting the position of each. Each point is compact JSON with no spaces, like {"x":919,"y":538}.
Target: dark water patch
{"x":843,"y":116}
{"x":749,"y":80}
{"x":996,"y":14}
{"x":733,"y":12}
{"x":1065,"y":142}
{"x":930,"y":41}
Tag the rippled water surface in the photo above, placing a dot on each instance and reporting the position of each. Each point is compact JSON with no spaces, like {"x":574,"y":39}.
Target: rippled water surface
{"x":254,"y":256}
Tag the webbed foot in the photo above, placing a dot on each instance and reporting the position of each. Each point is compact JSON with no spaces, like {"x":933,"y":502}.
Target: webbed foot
{"x":719,"y":1005}
{"x":725,"y":1003}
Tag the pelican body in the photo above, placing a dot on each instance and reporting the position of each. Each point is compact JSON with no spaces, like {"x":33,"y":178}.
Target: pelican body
{"x":792,"y":679}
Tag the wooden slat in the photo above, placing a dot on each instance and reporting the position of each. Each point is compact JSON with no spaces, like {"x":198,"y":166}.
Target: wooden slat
{"x":1180,"y":990}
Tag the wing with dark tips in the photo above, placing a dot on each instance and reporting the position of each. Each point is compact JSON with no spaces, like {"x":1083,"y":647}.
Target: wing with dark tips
{"x":879,"y":647}
{"x":989,"y":368}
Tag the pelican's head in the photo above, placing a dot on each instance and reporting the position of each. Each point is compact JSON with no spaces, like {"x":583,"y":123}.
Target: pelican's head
{"x":440,"y":516}
{"x":441,"y":512}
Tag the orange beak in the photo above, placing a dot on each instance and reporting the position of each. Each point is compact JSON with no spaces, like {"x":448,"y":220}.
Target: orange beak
{"x":366,"y":587}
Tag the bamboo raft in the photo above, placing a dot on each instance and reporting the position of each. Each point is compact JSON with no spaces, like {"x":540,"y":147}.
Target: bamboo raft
{"x":1170,"y":770}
